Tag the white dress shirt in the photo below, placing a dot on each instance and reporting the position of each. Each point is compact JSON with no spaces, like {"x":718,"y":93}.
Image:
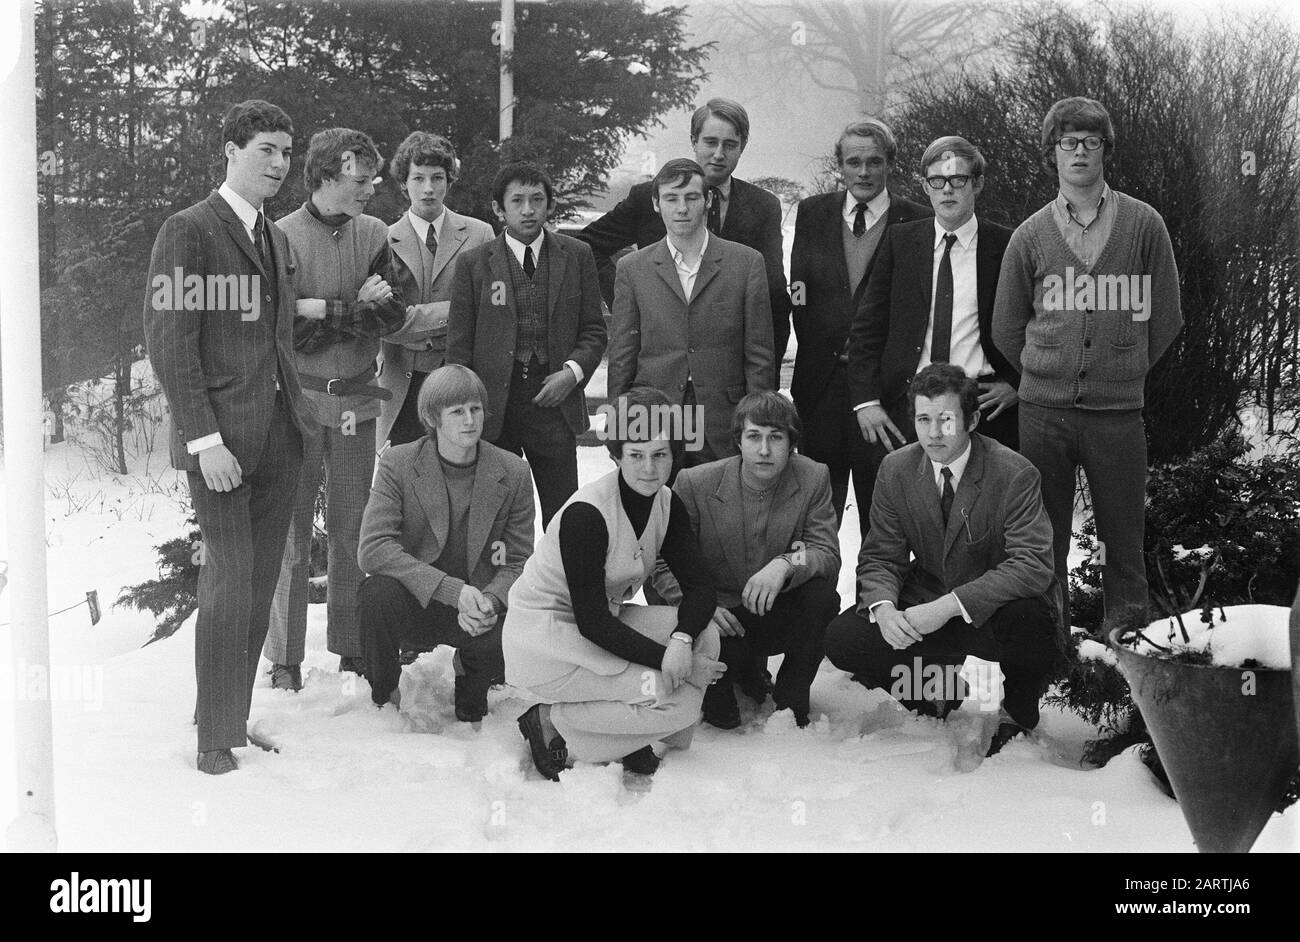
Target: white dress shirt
{"x":421,"y":227}
{"x":686,"y":273}
{"x":964,"y":348}
{"x":877,"y":206}
{"x":517,"y":248}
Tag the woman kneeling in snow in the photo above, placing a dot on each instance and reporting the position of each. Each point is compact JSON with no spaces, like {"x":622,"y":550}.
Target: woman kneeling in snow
{"x":614,"y":679}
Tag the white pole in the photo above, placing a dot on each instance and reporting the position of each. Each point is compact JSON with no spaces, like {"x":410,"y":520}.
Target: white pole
{"x":20,"y":346}
{"x":505,"y":126}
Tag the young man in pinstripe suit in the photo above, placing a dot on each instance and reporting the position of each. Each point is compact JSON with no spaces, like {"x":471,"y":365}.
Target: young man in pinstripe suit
{"x":224,"y":359}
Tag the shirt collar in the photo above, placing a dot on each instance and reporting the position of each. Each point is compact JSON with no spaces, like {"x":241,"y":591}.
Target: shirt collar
{"x":957,"y":466}
{"x":676,"y":253}
{"x":421,"y":225}
{"x":245,"y":210}
{"x":877,"y":206}
{"x":518,"y":247}
{"x":1068,"y":211}
{"x":965,"y":233}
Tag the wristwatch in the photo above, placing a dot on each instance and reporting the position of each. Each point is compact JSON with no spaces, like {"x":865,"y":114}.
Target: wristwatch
{"x":683,"y":637}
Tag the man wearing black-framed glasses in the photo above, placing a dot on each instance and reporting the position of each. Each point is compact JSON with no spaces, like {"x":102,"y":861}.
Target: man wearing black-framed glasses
{"x":929,"y":299}
{"x":1087,"y":303}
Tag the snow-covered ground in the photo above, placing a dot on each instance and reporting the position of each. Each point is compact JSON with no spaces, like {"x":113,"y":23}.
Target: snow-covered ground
{"x":865,"y":776}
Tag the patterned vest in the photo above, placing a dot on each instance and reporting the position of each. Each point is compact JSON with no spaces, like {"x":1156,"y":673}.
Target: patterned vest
{"x":530,"y":306}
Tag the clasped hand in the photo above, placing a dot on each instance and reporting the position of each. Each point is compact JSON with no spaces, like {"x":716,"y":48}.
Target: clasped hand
{"x":475,"y":612}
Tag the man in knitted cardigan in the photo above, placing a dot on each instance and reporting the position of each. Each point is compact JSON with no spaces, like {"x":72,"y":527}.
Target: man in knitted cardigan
{"x":1087,"y":303}
{"x":346,"y":300}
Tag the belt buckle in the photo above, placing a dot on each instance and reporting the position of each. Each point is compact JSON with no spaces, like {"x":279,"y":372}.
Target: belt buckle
{"x":329,"y":387}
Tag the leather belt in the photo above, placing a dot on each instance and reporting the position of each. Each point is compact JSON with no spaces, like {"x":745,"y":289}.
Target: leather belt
{"x":352,"y":386}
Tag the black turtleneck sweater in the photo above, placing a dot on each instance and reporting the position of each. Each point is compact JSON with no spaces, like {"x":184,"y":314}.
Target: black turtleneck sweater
{"x":584,"y":541}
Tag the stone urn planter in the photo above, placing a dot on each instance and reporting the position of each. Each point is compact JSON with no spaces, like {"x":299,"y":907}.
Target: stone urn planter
{"x":1225,"y":732}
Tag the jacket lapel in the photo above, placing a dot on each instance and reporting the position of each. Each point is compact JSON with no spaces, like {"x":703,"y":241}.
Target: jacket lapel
{"x":710,"y":265}
{"x":557,"y":259}
{"x":924,"y":498}
{"x":406,"y":245}
{"x":453,"y":237}
{"x":486,"y":498}
{"x":667,"y":270}
{"x":919,"y":271}
{"x":431,"y":491}
{"x":726,"y":509}
{"x":968,"y":492}
{"x":235,"y":229}
{"x":499,"y":265}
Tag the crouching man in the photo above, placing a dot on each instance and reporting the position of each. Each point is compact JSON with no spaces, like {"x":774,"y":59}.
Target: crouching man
{"x":447,"y":530}
{"x":970,"y":511}
{"x":766,"y":528}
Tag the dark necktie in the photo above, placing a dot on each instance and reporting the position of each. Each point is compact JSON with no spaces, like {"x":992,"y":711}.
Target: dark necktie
{"x":859,"y":219}
{"x":941,"y":343}
{"x":715,"y":211}
{"x":529,"y":265}
{"x":945,"y":500}
{"x":431,"y":241}
{"x":259,"y":240}
{"x":262,"y":240}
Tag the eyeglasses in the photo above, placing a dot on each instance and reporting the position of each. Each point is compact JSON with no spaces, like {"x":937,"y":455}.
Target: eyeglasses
{"x":1071,"y":143}
{"x":958,"y":181}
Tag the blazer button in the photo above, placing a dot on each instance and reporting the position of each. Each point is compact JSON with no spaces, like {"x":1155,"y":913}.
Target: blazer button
{"x":408,"y":374}
{"x":681,"y":385}
{"x":1087,"y":341}
{"x":1082,"y":373}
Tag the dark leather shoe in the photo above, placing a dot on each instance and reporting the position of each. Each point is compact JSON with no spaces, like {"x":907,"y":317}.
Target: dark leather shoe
{"x":801,"y":718}
{"x":286,"y":677}
{"x":217,"y":762}
{"x":354,"y":665}
{"x":720,"y":708}
{"x":1007,"y":731}
{"x":549,"y":758}
{"x":642,"y":762}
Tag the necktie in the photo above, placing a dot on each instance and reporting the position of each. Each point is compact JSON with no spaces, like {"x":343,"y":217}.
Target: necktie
{"x":431,"y":241}
{"x":945,"y":500}
{"x":259,"y":240}
{"x":859,"y":219}
{"x":941,"y":343}
{"x":262,"y":240}
{"x":529,"y":265}
{"x":715,"y":211}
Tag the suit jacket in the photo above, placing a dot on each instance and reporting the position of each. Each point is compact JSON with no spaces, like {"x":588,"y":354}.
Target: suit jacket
{"x":753,"y":219}
{"x":721,"y":338}
{"x":404,"y":528}
{"x":421,"y":342}
{"x":888,"y":331}
{"x":997,"y":546}
{"x":481,"y":329}
{"x":818,"y":268}
{"x":801,"y":524}
{"x":218,"y":365}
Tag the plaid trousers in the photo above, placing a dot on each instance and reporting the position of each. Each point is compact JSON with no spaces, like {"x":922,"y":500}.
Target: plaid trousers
{"x":349,"y":466}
